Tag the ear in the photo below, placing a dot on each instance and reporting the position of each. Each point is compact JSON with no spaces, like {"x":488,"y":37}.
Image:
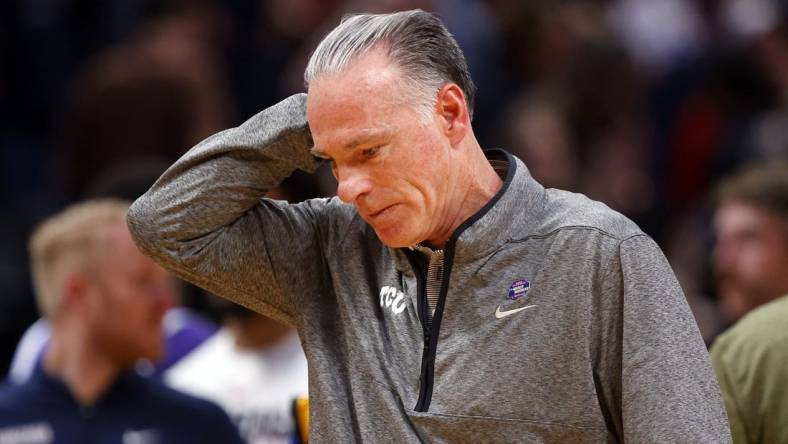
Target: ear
{"x":75,"y":292}
{"x":453,"y":112}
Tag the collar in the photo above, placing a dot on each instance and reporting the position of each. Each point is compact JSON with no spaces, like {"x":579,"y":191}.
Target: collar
{"x":56,"y":389}
{"x":517,"y":205}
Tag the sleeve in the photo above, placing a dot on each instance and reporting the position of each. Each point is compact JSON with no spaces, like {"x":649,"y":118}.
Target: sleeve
{"x":205,"y":220}
{"x":722,"y":357}
{"x":668,"y":389}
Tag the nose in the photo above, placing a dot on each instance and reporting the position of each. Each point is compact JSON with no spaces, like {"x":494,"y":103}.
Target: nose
{"x":352,"y":184}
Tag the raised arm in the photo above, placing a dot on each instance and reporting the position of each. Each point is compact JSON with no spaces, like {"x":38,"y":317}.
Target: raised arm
{"x":204,"y":218}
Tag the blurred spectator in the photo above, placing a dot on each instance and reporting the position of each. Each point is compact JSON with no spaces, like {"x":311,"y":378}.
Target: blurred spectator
{"x":750,"y":362}
{"x":146,"y":99}
{"x":710,"y":115}
{"x":711,"y":134}
{"x":744,"y":20}
{"x":606,"y":101}
{"x":184,"y":328}
{"x":751,"y":254}
{"x":254,"y":368}
{"x":659,"y":34}
{"x":771,"y":131}
{"x":152,"y":85}
{"x":537,"y":132}
{"x":105,"y":303}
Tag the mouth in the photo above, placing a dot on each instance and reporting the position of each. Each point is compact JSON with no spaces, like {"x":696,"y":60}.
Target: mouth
{"x":380,"y":212}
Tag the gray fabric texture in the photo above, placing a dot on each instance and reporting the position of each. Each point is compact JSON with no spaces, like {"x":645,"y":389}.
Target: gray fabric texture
{"x":607,"y":352}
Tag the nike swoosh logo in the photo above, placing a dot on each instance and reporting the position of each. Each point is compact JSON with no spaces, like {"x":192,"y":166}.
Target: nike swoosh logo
{"x":502,"y":314}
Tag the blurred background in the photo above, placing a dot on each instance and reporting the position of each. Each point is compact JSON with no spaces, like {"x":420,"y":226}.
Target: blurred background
{"x":642,"y":104}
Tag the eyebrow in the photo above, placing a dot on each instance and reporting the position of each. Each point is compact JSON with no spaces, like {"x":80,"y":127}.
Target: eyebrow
{"x":354,"y":143}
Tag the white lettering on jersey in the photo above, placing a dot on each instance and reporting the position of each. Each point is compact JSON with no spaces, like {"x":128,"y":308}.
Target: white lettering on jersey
{"x":392,"y":298}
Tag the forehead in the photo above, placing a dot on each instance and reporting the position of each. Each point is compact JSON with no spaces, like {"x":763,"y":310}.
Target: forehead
{"x":119,"y":248}
{"x":364,"y":75}
{"x":362,"y":100}
{"x":738,"y":216}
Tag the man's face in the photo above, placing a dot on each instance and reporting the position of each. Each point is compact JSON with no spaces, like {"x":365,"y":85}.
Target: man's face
{"x":131,"y":295}
{"x":389,"y":164}
{"x":750,"y":258}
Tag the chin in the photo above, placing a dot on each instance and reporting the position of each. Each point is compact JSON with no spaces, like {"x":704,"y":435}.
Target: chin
{"x":396,"y":238}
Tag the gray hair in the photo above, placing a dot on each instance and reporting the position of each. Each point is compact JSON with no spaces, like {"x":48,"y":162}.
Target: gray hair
{"x":416,"y":41}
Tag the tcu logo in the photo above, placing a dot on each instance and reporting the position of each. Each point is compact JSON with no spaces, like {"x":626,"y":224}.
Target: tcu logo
{"x":392,"y":298}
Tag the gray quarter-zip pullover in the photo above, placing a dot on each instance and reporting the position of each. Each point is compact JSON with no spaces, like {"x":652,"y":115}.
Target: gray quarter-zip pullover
{"x":558,"y":320}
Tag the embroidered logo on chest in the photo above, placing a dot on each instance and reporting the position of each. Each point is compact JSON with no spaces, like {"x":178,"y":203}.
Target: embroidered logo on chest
{"x":393,"y":299}
{"x":517,"y":291}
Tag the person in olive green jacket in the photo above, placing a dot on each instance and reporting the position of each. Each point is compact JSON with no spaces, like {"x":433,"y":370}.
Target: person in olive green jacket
{"x":751,"y":362}
{"x":751,"y":259}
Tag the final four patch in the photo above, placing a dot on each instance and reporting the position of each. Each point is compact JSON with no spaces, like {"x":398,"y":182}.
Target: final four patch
{"x":518,"y":289}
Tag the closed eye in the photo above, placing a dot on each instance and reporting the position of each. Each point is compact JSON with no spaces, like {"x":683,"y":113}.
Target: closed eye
{"x":319,"y":154}
{"x":369,"y":153}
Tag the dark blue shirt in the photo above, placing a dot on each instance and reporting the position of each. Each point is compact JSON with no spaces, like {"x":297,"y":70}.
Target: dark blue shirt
{"x":135,"y":410}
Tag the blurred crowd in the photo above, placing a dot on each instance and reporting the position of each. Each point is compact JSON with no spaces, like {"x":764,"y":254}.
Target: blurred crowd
{"x":643,"y":104}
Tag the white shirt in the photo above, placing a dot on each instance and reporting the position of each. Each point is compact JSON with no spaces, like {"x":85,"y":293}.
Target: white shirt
{"x":256,"y":387}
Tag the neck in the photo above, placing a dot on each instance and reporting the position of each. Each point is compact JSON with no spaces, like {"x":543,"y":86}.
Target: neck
{"x":471,"y":188}
{"x":71,"y":358}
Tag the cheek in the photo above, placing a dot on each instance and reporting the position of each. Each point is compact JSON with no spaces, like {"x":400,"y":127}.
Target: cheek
{"x":136,"y":310}
{"x":750,"y":257}
{"x":108,"y":309}
{"x":428,"y":169}
{"x":770,"y":260}
{"x":422,"y":150}
{"x":756,"y":261}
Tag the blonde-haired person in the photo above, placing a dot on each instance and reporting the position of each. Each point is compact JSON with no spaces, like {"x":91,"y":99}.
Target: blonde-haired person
{"x":105,"y":302}
{"x":184,"y":329}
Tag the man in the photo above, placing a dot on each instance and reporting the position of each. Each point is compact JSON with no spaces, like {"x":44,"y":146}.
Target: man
{"x":104,"y":301}
{"x":184,"y":329}
{"x":751,"y":253}
{"x":752,"y":259}
{"x":450,"y":298}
